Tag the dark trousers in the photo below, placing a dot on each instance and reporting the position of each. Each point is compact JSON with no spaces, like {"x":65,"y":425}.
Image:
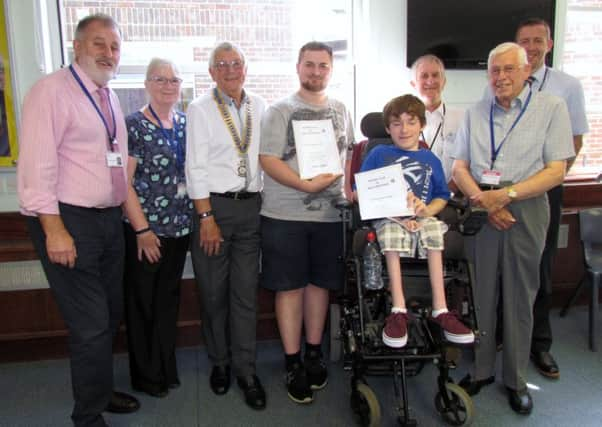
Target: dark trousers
{"x":542,"y":331}
{"x":152,"y":299}
{"x":228,"y":284}
{"x":90,"y":299}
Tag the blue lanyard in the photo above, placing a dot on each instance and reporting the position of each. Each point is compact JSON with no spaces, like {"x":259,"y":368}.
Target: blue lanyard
{"x":496,"y":151}
{"x":102,"y":117}
{"x":177,"y":148}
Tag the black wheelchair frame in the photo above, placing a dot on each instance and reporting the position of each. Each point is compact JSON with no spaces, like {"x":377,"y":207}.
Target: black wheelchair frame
{"x":356,"y":322}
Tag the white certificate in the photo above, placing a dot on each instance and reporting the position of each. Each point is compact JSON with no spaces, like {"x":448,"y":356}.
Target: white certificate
{"x":382,"y":193}
{"x":317,"y":150}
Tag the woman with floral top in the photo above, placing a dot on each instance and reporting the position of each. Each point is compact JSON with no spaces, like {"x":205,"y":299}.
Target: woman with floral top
{"x":157,"y":228}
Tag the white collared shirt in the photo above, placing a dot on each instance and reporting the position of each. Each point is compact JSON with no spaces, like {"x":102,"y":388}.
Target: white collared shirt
{"x":442,"y":145}
{"x":212,"y":159}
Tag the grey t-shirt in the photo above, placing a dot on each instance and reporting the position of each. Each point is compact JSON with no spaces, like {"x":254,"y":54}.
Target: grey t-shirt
{"x":277,"y":139}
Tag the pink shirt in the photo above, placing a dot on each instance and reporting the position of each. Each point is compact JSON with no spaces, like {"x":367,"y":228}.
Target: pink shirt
{"x":63,"y":146}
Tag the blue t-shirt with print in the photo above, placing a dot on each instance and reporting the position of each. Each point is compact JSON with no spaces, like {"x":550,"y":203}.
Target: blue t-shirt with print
{"x":422,"y":170}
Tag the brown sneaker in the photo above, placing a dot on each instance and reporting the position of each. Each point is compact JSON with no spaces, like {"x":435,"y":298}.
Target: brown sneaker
{"x":395,"y":332}
{"x":454,"y":330}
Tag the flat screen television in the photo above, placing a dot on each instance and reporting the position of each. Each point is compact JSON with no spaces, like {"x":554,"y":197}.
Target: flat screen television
{"x":462,"y":32}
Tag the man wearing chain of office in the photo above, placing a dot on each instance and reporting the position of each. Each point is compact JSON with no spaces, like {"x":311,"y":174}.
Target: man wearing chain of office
{"x":224,"y":180}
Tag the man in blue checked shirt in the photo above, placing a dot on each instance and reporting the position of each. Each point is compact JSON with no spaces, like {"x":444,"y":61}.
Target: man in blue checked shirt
{"x":510,"y":150}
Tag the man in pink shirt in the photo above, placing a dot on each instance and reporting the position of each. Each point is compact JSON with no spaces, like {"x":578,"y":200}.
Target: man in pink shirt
{"x":71,"y":183}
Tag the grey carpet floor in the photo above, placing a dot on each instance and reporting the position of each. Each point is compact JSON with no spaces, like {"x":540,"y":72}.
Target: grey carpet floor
{"x":39,"y":394}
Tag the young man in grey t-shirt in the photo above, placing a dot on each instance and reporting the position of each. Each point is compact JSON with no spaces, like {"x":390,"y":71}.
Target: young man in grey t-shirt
{"x":301,"y":230}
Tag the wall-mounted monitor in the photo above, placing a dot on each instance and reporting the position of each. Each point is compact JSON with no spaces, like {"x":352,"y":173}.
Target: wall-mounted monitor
{"x":462,"y":32}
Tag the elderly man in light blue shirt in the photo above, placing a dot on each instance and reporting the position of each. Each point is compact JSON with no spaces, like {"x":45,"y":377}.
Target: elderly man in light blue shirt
{"x":534,"y":35}
{"x":509,"y":151}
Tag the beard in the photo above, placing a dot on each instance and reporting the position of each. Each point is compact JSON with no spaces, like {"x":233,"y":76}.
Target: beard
{"x":98,"y":75}
{"x":313,"y":85}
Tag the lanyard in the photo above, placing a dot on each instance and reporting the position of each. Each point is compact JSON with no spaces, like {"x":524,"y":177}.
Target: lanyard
{"x":495,"y":151}
{"x":171,"y":142}
{"x":432,"y":144}
{"x":102,"y":117}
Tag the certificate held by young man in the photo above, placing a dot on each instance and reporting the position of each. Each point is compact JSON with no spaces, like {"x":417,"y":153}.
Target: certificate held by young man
{"x":316,"y":146}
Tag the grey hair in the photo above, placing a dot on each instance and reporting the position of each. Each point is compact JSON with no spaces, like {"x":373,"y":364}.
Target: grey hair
{"x":104,"y":19}
{"x":427,"y":58}
{"x":507,"y":47}
{"x":160,"y":62}
{"x":225,"y":46}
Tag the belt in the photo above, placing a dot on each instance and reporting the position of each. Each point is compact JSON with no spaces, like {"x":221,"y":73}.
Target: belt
{"x":90,"y":209}
{"x":236,"y":195}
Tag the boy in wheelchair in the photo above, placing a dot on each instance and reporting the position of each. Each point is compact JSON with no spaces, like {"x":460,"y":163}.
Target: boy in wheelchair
{"x":404,"y":118}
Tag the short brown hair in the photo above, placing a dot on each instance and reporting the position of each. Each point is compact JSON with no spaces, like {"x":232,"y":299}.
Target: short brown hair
{"x":408,"y":104}
{"x":314,"y":46}
{"x":531,"y":22}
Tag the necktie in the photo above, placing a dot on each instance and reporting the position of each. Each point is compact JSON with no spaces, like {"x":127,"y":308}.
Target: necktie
{"x":531,"y":80}
{"x":119,"y":185}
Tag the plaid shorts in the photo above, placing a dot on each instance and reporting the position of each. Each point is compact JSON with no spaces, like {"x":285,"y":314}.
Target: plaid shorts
{"x":394,"y":237}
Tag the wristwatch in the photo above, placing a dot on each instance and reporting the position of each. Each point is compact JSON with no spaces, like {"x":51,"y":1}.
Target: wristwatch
{"x":511,"y":192}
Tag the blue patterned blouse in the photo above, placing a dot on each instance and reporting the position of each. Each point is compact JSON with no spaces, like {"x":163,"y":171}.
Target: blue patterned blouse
{"x":158,"y":174}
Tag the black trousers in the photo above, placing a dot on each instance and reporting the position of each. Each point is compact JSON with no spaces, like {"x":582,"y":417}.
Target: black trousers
{"x":152,"y":300}
{"x":228,"y":284}
{"x":90,"y":299}
{"x":541,"y":339}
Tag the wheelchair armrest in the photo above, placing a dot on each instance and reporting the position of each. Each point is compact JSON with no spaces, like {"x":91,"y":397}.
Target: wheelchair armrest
{"x":343,"y":204}
{"x":476,"y":218}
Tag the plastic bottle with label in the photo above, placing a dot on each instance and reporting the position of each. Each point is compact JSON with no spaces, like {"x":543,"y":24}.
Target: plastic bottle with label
{"x":372,"y":262}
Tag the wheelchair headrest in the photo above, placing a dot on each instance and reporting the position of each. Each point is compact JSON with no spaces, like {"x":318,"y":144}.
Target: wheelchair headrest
{"x":373,"y":126}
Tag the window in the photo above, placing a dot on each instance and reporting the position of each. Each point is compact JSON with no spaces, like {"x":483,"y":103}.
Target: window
{"x":581,"y":58}
{"x":269,"y":32}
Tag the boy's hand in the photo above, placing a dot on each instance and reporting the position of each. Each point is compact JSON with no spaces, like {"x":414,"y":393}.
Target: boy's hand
{"x":419,"y":207}
{"x":411,"y":225}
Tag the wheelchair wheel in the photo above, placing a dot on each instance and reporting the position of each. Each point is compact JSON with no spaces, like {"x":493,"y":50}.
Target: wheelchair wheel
{"x":365,"y":403}
{"x":456,"y":406}
{"x":335,"y":339}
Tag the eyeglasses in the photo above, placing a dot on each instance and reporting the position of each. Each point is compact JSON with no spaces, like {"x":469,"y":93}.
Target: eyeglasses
{"x":507,"y":69}
{"x":163,"y":81}
{"x":224,"y":65}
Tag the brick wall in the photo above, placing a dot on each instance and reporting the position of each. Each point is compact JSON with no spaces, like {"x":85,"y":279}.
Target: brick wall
{"x":263,"y":29}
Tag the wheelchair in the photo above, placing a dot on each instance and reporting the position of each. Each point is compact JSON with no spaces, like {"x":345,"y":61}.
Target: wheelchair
{"x":357,"y":319}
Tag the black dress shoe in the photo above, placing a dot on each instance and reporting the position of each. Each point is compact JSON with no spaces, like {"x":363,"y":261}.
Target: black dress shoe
{"x":122,"y":403}
{"x":254,"y":392}
{"x":474,"y":387}
{"x":520,"y":401}
{"x":220,"y":379}
{"x":545,"y":364}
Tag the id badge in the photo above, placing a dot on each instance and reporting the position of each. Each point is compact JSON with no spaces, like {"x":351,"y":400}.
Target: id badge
{"x":491,"y":177}
{"x":114,"y":160}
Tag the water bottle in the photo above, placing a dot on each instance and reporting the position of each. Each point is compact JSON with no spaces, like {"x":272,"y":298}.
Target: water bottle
{"x":373,"y":266}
